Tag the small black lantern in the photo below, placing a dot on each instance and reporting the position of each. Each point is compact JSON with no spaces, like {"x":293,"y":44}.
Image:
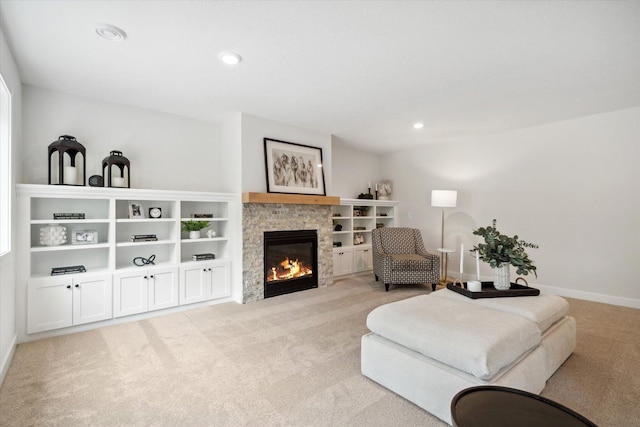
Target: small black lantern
{"x":67,"y":172}
{"x":116,"y":159}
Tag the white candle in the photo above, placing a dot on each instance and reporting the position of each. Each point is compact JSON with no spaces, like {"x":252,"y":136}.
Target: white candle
{"x":70,"y":175}
{"x":376,"y":186}
{"x":369,"y":184}
{"x":116,"y":181}
{"x":477,"y":265}
{"x":461,"y":260}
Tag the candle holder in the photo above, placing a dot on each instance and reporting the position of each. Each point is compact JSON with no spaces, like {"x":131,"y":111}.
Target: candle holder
{"x":67,"y":173}
{"x":116,"y":159}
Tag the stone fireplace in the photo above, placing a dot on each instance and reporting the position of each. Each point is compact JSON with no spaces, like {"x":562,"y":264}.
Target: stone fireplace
{"x":293,"y":214}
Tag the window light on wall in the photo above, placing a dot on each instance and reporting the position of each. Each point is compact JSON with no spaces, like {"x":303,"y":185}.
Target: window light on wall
{"x":5,"y":167}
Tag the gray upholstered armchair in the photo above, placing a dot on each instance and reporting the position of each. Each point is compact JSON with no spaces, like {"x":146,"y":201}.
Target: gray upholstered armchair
{"x":399,"y":258}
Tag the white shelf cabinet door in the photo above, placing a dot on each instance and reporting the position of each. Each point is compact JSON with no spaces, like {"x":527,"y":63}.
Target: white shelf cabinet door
{"x":219,"y":285}
{"x":193,"y":283}
{"x":130,"y":293}
{"x":163,"y":288}
{"x":49,"y":304}
{"x":342,"y":261}
{"x":362,"y":259}
{"x":204,"y":281}
{"x":92,"y":300}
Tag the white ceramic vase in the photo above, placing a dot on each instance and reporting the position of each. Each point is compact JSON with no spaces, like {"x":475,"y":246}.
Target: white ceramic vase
{"x":195,"y":234}
{"x":53,"y":235}
{"x":501,"y":279}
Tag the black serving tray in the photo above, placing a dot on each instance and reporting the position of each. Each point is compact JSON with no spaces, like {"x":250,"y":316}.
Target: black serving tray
{"x":488,"y":291}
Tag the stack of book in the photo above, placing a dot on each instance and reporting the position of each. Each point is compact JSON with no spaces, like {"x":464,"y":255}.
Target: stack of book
{"x":55,"y":271}
{"x":68,"y":216}
{"x":144,"y":238}
{"x":203,"y":257}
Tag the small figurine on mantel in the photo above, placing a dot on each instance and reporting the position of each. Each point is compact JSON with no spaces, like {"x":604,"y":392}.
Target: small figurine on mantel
{"x":384,"y":190}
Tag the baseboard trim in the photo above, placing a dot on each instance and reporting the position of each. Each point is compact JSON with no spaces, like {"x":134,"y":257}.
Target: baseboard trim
{"x":6,"y":362}
{"x":590,"y":296}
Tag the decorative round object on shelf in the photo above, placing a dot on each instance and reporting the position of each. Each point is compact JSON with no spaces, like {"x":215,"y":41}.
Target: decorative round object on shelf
{"x":53,"y":235}
{"x":155,"y":212}
{"x":63,"y":169}
{"x":501,"y":279}
{"x":122,"y":177}
{"x":96,"y":181}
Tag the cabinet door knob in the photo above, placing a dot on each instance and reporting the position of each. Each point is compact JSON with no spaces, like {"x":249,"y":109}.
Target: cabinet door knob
{"x":151,"y":276}
{"x":77,"y":286}
{"x":209,"y":269}
{"x":204,"y":269}
{"x":68,"y":286}
{"x":145,"y":277}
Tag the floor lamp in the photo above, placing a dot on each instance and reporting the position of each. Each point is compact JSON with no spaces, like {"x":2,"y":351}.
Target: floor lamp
{"x":443,"y":199}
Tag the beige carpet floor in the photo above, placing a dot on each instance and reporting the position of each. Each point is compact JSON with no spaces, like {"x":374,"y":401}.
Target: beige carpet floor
{"x":292,"y":360}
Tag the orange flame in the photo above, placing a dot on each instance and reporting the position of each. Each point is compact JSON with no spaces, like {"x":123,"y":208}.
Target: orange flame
{"x":291,"y":269}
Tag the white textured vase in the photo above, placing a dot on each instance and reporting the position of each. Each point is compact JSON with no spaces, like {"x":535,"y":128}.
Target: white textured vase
{"x":501,"y":279}
{"x":53,"y":235}
{"x":195,"y":234}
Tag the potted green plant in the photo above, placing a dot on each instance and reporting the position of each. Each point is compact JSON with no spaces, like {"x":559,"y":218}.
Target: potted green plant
{"x":194,"y":227}
{"x":502,"y":251}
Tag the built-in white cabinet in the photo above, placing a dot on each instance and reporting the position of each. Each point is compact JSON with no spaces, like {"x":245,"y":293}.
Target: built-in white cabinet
{"x":362,"y":259}
{"x":353,"y":221}
{"x":139,"y":291}
{"x":204,"y":280}
{"x":63,"y":301}
{"x":342,"y":261}
{"x":102,"y":230}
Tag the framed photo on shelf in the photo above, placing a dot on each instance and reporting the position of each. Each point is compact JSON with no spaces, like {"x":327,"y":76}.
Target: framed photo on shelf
{"x":84,"y":237}
{"x":293,"y":168}
{"x":136,"y":210}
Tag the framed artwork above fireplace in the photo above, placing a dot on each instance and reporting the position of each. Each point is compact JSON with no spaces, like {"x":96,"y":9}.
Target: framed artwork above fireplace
{"x":293,"y":168}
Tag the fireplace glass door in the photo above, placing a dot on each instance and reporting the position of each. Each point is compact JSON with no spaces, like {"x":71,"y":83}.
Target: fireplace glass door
{"x":290,"y":261}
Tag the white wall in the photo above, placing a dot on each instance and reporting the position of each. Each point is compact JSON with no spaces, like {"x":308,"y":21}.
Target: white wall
{"x":8,"y":261}
{"x":573,"y":187}
{"x":353,"y":170}
{"x":230,"y":152}
{"x":255,"y":129}
{"x":165,"y":151}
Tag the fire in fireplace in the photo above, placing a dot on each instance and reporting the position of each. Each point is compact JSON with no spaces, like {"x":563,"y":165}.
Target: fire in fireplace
{"x":290,"y":261}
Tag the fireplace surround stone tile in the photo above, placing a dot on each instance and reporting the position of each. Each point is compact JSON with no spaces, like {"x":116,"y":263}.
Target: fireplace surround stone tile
{"x":258,"y":218}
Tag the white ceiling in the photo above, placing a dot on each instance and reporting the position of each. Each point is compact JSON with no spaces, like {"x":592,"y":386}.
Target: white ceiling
{"x":362,"y":71}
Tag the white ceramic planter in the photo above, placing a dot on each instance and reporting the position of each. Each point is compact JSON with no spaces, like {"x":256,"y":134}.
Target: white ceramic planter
{"x":194,"y":234}
{"x":501,"y":279}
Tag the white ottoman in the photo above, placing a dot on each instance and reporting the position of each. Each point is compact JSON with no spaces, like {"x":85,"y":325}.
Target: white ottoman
{"x":430,"y":347}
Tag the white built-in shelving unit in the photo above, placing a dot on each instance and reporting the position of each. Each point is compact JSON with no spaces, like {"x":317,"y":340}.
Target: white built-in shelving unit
{"x":357,"y":217}
{"x":113,"y":286}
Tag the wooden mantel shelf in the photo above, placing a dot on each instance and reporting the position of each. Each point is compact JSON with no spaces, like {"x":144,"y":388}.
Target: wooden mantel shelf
{"x":290,"y":199}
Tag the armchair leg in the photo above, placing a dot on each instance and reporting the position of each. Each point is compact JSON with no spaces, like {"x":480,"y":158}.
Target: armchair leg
{"x":376,"y":277}
{"x":386,"y":287}
{"x":433,"y":287}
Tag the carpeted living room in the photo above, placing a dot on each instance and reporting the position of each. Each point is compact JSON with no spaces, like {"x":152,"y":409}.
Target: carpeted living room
{"x":273,"y":213}
{"x":293,"y":360}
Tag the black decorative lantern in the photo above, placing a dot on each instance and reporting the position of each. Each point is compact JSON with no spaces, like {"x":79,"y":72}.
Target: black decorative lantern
{"x":116,"y":160}
{"x":66,"y":172}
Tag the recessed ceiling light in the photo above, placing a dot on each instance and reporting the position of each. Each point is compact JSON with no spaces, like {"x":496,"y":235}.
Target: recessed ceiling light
{"x":418,"y":125}
{"x":229,"y":58}
{"x":109,"y":32}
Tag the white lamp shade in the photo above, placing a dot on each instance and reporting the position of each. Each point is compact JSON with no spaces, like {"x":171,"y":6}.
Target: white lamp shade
{"x":444,"y":198}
